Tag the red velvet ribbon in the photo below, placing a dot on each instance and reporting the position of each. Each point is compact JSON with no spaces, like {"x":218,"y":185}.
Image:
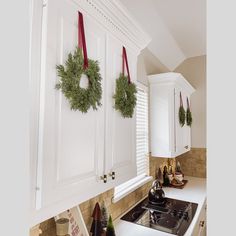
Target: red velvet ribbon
{"x":81,"y":38}
{"x":125,"y":63}
{"x":181,"y":100}
{"x":188,"y":103}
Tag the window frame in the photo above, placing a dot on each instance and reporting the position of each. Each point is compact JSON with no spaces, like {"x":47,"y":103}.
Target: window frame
{"x":131,"y":185}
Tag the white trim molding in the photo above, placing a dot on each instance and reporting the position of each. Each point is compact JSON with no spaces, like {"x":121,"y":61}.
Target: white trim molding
{"x":128,"y":187}
{"x":172,"y":78}
{"x":116,"y":18}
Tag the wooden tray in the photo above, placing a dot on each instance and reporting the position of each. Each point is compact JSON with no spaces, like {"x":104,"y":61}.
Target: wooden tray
{"x":179,"y":186}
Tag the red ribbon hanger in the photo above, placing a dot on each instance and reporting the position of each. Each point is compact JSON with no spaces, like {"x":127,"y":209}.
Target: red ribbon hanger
{"x":181,"y":100}
{"x":125,"y":63}
{"x":81,"y":38}
{"x":188,"y":103}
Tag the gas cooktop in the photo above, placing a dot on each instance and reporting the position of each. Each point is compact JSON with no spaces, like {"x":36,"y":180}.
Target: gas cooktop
{"x":171,"y":216}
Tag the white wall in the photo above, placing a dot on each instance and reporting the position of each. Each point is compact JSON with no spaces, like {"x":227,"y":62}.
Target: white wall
{"x":141,"y":71}
{"x":148,"y":64}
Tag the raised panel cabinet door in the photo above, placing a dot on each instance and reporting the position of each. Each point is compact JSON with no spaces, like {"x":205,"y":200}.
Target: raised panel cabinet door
{"x":200,"y":227}
{"x":120,"y":131}
{"x":183,"y":133}
{"x":186,"y":128}
{"x":162,"y":120}
{"x":71,"y":143}
{"x":179,"y":130}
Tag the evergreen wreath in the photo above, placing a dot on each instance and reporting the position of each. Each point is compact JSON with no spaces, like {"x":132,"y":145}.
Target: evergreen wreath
{"x":70,"y":74}
{"x":125,"y":96}
{"x":189,"y":119}
{"x":181,"y":112}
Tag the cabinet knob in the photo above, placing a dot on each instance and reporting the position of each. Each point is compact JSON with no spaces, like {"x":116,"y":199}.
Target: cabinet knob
{"x":202,"y":222}
{"x":186,"y":147}
{"x":104,"y":178}
{"x":113,"y":175}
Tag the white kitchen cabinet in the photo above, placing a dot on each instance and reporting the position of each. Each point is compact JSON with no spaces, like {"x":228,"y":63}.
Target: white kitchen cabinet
{"x":200,"y":227}
{"x":70,"y":150}
{"x":168,"y":138}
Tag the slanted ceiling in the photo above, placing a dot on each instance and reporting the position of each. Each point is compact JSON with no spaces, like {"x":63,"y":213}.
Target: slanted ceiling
{"x":177,"y":28}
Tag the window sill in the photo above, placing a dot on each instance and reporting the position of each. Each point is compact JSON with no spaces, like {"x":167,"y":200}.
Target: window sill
{"x":130,"y":186}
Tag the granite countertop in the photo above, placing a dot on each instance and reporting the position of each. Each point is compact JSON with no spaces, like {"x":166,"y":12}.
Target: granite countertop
{"x":194,"y":191}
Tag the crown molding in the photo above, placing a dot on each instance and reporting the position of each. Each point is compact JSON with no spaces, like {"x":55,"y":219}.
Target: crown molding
{"x":115,"y":17}
{"x":171,"y":78}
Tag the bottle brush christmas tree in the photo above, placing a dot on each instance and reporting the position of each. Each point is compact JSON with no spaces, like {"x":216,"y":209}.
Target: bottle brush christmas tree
{"x":110,"y":228}
{"x":104,"y":217}
{"x":96,"y":227}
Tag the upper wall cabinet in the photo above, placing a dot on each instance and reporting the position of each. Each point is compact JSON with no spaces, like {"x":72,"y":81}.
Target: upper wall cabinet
{"x":71,"y":151}
{"x":168,"y":137}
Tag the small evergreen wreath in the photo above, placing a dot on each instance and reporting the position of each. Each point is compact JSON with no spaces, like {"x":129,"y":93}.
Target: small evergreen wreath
{"x":70,"y":74}
{"x":125,"y":96}
{"x":189,"y":119}
{"x":181,"y":116}
{"x":181,"y":112}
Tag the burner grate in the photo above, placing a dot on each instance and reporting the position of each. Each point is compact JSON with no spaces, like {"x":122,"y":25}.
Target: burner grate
{"x":168,"y":222}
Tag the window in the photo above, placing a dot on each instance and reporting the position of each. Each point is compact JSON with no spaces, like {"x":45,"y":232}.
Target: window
{"x":142,"y":147}
{"x":142,"y":132}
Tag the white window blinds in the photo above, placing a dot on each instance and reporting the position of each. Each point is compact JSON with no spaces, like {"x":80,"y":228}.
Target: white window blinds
{"x":142,"y":148}
{"x":142,"y":132}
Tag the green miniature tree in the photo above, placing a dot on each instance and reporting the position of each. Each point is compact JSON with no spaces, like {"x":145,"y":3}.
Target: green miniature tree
{"x":110,"y":228}
{"x":104,"y":217}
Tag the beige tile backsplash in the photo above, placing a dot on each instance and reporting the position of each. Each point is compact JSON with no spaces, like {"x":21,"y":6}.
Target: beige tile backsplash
{"x":193,"y":163}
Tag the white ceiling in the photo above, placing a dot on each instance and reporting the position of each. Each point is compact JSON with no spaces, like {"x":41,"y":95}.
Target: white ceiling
{"x":177,"y":27}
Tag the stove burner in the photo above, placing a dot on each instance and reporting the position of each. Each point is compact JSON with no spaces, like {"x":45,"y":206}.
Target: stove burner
{"x":181,"y":206}
{"x":168,"y":222}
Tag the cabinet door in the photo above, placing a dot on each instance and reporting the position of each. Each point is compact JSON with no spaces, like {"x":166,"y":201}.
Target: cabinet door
{"x":182,"y":134}
{"x":162,"y":120}
{"x":120,"y":132}
{"x":186,"y":128}
{"x":71,"y":144}
{"x":200,"y":227}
